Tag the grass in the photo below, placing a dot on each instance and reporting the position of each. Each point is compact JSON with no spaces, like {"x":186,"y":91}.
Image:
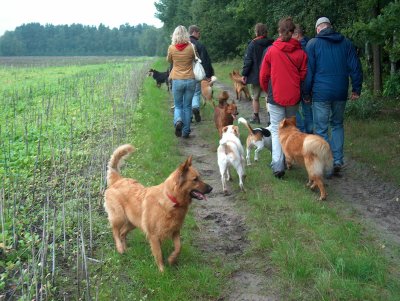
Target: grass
{"x":317,"y":251}
{"x":195,"y":277}
{"x":320,"y":252}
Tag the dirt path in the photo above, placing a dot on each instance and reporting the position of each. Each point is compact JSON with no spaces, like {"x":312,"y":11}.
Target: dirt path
{"x":223,"y":229}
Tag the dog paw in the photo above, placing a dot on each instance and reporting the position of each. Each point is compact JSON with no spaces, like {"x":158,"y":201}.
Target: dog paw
{"x":161,"y":268}
{"x":172,"y":260}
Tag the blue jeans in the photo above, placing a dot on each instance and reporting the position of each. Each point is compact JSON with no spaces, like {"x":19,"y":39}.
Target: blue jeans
{"x":277,"y":114}
{"x":331,"y":114}
{"x":196,"y":96}
{"x":304,"y":118}
{"x":183,"y":90}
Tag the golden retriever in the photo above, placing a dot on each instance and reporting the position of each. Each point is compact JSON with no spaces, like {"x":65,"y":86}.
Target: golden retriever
{"x":309,"y":150}
{"x":159,"y":211}
{"x":239,"y":85}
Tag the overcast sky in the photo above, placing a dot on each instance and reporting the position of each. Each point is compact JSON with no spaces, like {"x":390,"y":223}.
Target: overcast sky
{"x":111,"y":13}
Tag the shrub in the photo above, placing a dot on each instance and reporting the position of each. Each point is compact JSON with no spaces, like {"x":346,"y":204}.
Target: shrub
{"x":365,"y":107}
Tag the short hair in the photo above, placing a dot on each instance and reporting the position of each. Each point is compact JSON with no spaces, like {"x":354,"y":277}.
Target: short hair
{"x":180,"y":35}
{"x":193,"y":28}
{"x":260,"y":29}
{"x":286,"y":28}
{"x":299,"y":30}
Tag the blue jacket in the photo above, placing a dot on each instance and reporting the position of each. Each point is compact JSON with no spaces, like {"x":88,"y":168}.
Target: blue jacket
{"x":331,"y":60}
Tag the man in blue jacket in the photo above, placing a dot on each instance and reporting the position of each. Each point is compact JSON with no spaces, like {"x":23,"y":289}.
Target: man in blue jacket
{"x":332,"y":59}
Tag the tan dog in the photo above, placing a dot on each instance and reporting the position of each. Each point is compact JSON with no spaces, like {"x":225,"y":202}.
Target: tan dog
{"x":224,"y":113}
{"x":239,"y":85}
{"x":309,"y":150}
{"x":230,"y":153}
{"x":207,"y":91}
{"x":258,"y":138}
{"x":159,"y":211}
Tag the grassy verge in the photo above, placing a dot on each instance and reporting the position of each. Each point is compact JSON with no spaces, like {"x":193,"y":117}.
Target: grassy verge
{"x":318,"y":251}
{"x":195,"y":277}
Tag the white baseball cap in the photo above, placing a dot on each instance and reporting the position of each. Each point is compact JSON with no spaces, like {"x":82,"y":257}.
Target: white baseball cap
{"x":322,"y":20}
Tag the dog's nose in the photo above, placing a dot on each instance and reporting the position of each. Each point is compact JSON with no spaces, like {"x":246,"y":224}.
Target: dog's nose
{"x":209,"y":188}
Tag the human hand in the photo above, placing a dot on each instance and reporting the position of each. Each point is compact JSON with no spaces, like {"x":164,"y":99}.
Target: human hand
{"x":354,"y":96}
{"x":307,"y":98}
{"x":244,"y":79}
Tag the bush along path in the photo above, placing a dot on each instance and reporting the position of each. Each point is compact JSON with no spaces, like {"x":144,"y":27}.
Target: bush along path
{"x":226,"y":233}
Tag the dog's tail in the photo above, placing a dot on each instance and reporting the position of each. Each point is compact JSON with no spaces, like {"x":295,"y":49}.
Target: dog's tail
{"x":117,"y":158}
{"x":321,"y":150}
{"x":245,"y":122}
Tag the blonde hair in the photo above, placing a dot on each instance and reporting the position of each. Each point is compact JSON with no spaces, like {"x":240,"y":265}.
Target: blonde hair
{"x":180,"y":35}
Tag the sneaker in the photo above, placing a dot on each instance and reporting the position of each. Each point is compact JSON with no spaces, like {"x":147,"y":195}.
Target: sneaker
{"x":178,"y":129}
{"x":279,"y":174}
{"x":196,"y":113}
{"x":255,"y":119}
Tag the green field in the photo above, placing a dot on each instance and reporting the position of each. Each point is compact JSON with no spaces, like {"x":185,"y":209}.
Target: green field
{"x":60,"y":121}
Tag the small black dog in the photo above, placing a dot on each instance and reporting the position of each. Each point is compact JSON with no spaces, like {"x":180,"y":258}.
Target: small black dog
{"x":160,"y":77}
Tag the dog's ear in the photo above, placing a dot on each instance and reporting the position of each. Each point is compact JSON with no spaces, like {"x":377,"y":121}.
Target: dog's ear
{"x":236,"y":130}
{"x":291,"y":120}
{"x":224,"y":129}
{"x":185,"y":165}
{"x":183,"y":168}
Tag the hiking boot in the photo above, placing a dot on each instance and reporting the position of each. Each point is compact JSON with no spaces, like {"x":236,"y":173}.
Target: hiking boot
{"x":279,"y":174}
{"x":337,"y":168}
{"x":196,"y":113}
{"x":255,"y":119}
{"x":178,"y":129}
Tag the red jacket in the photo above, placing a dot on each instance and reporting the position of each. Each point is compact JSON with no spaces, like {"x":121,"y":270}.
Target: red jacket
{"x":285,"y":64}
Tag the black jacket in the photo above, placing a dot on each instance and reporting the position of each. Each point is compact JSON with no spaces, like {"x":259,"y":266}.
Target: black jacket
{"x":253,"y":58}
{"x":205,"y":58}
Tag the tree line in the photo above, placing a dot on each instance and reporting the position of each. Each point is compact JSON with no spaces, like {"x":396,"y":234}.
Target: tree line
{"x":227,"y":26}
{"x":49,"y":40}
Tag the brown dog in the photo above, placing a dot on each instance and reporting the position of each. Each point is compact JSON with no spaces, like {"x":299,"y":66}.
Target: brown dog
{"x":159,"y":211}
{"x":207,"y":91}
{"x":225,"y":112}
{"x":239,"y":85}
{"x":310,"y":150}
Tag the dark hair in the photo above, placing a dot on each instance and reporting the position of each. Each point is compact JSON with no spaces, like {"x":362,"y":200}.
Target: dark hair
{"x":286,"y":28}
{"x":193,"y":28}
{"x":299,"y":30}
{"x":260,"y":29}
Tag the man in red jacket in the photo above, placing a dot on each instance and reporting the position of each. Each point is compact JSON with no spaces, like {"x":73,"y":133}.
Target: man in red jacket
{"x":282,"y":70}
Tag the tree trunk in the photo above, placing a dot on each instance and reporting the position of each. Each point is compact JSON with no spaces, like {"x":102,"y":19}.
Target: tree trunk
{"x":376,"y":51}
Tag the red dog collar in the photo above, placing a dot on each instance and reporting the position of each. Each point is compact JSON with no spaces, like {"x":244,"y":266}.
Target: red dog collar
{"x":173,"y":200}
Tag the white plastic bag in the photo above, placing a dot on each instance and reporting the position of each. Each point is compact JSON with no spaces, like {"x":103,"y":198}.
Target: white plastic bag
{"x":198,"y":69}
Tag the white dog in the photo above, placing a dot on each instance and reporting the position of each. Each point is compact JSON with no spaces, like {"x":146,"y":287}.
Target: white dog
{"x":230,"y":153}
{"x":258,"y":138}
